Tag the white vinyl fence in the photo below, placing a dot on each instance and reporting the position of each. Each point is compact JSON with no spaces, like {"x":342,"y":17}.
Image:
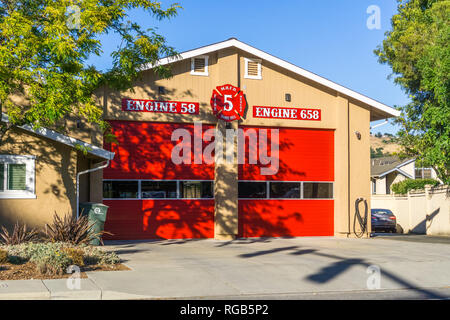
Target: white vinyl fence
{"x":420,"y":211}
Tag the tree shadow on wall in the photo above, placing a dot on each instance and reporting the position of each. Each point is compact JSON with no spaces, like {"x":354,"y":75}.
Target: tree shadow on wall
{"x":55,"y":173}
{"x":144,"y":152}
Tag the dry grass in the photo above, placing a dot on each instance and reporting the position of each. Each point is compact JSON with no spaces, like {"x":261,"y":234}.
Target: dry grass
{"x":28,"y":271}
{"x":387,"y":147}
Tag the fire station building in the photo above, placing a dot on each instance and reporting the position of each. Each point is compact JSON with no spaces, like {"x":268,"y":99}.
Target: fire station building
{"x":302,"y":141}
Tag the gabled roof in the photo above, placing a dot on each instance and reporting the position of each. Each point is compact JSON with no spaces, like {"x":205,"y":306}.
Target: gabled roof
{"x":379,"y":167}
{"x":64,"y":139}
{"x":233,"y":42}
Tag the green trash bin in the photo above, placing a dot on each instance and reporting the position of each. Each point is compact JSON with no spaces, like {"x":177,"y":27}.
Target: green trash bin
{"x":96,"y":213}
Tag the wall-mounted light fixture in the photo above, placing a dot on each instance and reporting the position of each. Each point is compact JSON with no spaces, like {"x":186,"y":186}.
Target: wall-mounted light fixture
{"x":358,"y":135}
{"x":161,"y":90}
{"x":287,"y":97}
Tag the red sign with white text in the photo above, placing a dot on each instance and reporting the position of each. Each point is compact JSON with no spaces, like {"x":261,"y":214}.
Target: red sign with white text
{"x":286,"y":113}
{"x":139,"y":105}
{"x":228,"y":102}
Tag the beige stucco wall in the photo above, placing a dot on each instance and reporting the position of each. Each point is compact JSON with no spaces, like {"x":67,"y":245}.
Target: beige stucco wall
{"x":56,"y":166}
{"x":409,"y":168}
{"x":359,"y":159}
{"x":54,"y":181}
{"x":381,"y":185}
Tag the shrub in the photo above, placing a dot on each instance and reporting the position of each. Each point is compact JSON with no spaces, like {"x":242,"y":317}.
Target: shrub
{"x":404,"y":186}
{"x":70,"y":229}
{"x":94,"y":255}
{"x":20,"y":234}
{"x":52,"y":262}
{"x":75,"y":255}
{"x":3,"y":256}
{"x":55,"y":257}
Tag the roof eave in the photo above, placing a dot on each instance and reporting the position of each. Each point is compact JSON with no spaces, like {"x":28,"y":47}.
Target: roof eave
{"x":64,"y":139}
{"x":388,"y":111}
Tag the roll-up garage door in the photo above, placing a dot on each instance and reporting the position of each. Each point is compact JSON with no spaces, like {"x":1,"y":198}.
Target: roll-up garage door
{"x":150,"y":197}
{"x":298,"y":199}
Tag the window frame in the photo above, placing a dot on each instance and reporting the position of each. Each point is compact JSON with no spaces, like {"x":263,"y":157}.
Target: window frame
{"x":259,"y":62}
{"x":30,"y":177}
{"x":332,"y":190}
{"x":196,"y":73}
{"x":139,"y":197}
{"x":256,"y":181}
{"x":138,"y":193}
{"x":177,"y":190}
{"x":422,"y":173}
{"x":301,"y":190}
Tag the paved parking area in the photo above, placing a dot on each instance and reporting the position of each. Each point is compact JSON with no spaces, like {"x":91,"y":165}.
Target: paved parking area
{"x":421,"y":238}
{"x":265,"y":268}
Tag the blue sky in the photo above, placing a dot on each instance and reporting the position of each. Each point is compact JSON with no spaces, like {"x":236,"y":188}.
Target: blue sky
{"x":327,"y":37}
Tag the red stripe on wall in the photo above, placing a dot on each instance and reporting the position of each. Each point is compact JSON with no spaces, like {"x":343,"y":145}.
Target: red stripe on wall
{"x":160,"y":219}
{"x":286,"y":218}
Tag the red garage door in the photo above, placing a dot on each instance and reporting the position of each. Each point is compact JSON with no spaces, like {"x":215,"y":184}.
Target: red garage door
{"x":298,"y":199}
{"x":150,"y":197}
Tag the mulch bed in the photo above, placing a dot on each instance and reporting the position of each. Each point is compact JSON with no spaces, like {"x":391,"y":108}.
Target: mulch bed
{"x":28,"y":271}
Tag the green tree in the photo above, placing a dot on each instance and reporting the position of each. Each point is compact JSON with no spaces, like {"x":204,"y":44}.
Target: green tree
{"x":417,"y":49}
{"x":45,"y":46}
{"x":377,"y":153}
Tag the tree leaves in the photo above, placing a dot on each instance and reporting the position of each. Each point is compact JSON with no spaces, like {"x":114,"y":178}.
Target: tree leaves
{"x":43,"y":55}
{"x":417,"y":50}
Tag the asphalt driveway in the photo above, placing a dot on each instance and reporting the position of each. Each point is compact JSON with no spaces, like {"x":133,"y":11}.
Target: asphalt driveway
{"x":276,"y":267}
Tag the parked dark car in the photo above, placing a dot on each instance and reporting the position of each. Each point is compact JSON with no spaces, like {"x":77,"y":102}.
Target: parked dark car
{"x":383,"y":220}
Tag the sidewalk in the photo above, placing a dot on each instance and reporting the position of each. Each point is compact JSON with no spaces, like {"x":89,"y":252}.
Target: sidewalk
{"x":301,"y":268}
{"x":48,"y":289}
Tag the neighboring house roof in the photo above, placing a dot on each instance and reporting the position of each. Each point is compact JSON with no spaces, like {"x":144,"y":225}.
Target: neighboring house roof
{"x":379,"y":167}
{"x":233,"y":42}
{"x":64,"y":139}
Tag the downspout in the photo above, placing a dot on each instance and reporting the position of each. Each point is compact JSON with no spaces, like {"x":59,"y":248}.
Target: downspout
{"x":78,"y":182}
{"x":348,"y":169}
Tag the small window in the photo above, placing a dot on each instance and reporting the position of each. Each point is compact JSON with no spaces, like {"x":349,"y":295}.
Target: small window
{"x":285,"y":190}
{"x":418,"y":173}
{"x":317,"y":190}
{"x":17,"y":176}
{"x":423,"y":173}
{"x":252,"y":190}
{"x":199,"y":66}
{"x":196,"y":189}
{"x":120,"y":189}
{"x":253,"y":69}
{"x":159,"y":189}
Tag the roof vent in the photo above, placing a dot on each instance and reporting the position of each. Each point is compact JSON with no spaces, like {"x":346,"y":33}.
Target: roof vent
{"x":252,"y":69}
{"x":199,"y":66}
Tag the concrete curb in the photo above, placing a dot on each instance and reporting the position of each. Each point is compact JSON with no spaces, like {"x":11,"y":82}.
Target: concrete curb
{"x":84,"y":289}
{"x":23,"y":290}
